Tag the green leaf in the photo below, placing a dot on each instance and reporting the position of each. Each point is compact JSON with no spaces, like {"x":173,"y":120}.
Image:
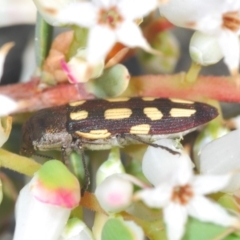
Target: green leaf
{"x":117,"y":230}
{"x":43,"y":39}
{"x":196,"y":230}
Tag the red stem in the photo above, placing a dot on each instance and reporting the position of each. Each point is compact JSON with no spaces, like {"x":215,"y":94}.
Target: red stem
{"x":218,"y":88}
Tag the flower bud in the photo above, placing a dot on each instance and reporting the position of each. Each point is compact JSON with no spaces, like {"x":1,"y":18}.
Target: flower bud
{"x":79,"y":70}
{"x":112,"y":83}
{"x":114,"y":193}
{"x":45,"y":203}
{"x":204,"y":49}
{"x":76,"y":230}
{"x":111,"y":166}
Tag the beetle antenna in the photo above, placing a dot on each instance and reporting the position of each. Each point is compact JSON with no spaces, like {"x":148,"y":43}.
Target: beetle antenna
{"x":137,"y":138}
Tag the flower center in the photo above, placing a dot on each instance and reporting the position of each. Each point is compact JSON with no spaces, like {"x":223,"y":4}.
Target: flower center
{"x":182,"y":194}
{"x":110,"y":17}
{"x":231,"y":20}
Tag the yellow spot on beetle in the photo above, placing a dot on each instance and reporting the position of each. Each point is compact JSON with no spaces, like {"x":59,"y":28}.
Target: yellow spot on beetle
{"x":123,"y":99}
{"x":77,"y":103}
{"x":140,"y":129}
{"x":94,"y":134}
{"x":79,"y":115}
{"x":117,"y":113}
{"x":153,"y":113}
{"x":148,"y":98}
{"x":176,"y":100}
{"x":181,"y":112}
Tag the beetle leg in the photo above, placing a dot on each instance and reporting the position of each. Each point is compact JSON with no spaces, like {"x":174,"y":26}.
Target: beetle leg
{"x":65,"y":155}
{"x":77,"y":146}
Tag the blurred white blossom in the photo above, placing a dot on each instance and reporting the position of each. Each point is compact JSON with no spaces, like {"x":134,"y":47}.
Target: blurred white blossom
{"x":219,"y":19}
{"x":221,"y":156}
{"x":108,"y":22}
{"x":13,"y":12}
{"x":180,"y":193}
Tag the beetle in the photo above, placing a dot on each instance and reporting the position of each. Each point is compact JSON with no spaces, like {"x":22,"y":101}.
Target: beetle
{"x":104,"y":123}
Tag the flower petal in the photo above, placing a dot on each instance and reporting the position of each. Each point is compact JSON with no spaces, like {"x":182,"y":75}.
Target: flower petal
{"x":81,"y":13}
{"x":160,"y":165}
{"x":206,"y":184}
{"x":100,"y":41}
{"x":222,"y":156}
{"x":155,"y":197}
{"x":157,"y":163}
{"x":229,"y":43}
{"x":130,"y":35}
{"x":131,"y":11}
{"x":104,"y":3}
{"x":207,"y":211}
{"x":188,"y":13}
{"x":175,"y":217}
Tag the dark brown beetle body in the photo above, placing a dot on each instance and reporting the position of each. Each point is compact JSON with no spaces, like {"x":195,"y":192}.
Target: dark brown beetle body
{"x":101,"y":124}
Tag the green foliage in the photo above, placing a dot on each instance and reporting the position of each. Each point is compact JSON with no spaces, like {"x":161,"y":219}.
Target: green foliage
{"x":43,"y":38}
{"x":117,"y":230}
{"x":196,"y":230}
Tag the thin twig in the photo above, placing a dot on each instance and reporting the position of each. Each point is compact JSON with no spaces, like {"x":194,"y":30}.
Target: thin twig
{"x":32,"y":98}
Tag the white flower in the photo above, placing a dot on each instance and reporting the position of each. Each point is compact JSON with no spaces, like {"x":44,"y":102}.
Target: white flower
{"x":219,"y":19}
{"x":47,"y":7}
{"x":14,"y":12}
{"x":180,"y":193}
{"x":108,"y":22}
{"x":222,"y":155}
